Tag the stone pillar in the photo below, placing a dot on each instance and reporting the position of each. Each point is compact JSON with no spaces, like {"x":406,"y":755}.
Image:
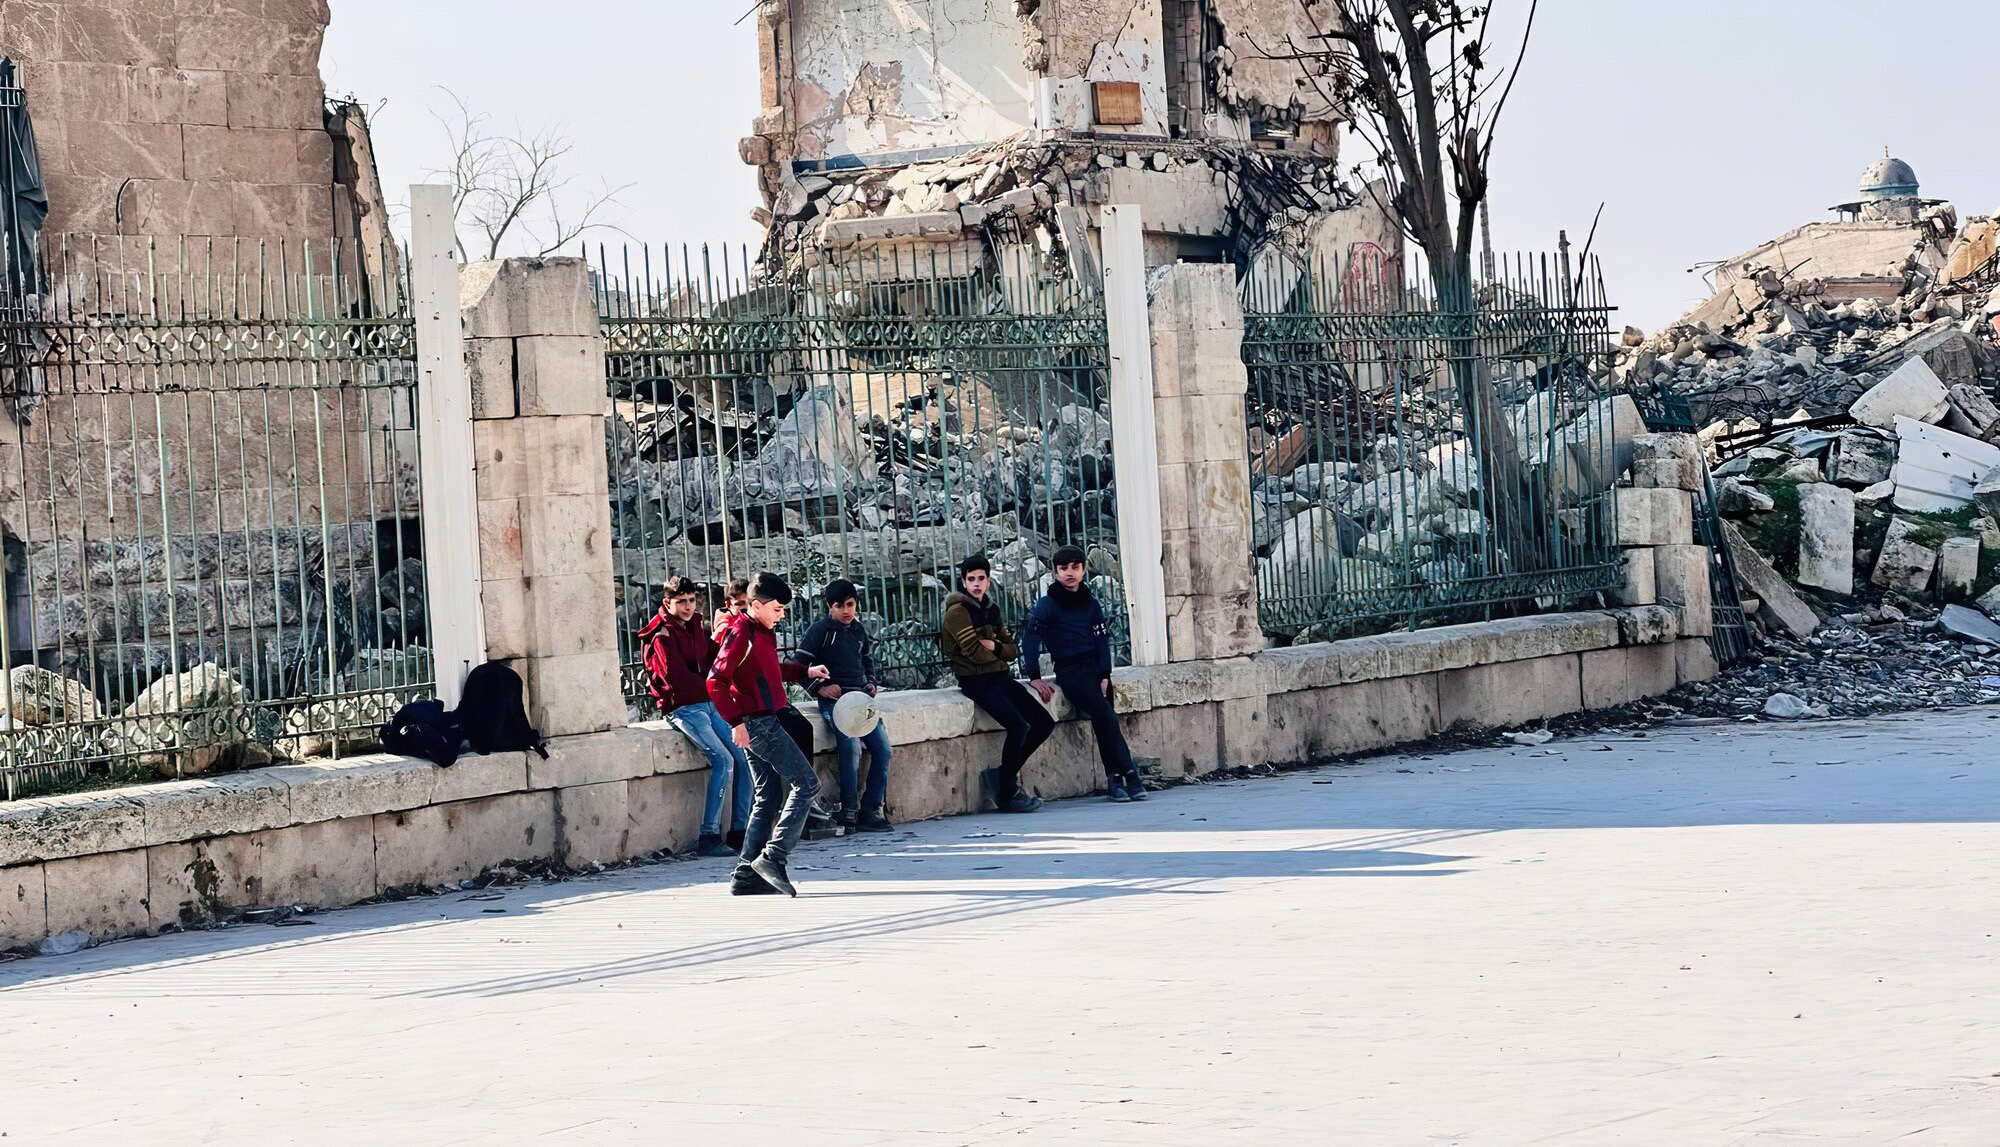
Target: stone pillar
{"x":536,"y":363}
{"x":1199,"y":389}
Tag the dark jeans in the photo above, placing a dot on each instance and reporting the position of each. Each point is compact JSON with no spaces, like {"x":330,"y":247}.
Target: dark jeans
{"x":776,"y":766}
{"x":1086,"y":692}
{"x":1027,"y":723}
{"x":849,"y":749}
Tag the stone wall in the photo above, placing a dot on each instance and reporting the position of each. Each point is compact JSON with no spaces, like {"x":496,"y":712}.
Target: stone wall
{"x":156,"y":118}
{"x":139,"y":861}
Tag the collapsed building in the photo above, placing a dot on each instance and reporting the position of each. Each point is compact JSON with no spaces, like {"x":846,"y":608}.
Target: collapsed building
{"x":993,"y":129}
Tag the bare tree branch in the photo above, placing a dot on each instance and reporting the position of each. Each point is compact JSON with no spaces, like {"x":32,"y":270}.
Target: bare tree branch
{"x":510,"y":190}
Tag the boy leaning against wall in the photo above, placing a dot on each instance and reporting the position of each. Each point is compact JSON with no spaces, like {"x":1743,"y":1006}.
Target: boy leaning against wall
{"x":1069,"y":621}
{"x":975,"y":640}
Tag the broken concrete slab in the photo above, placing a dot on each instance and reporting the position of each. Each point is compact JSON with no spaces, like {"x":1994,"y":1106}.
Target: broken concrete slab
{"x":1757,"y":575}
{"x":1904,"y":564}
{"x":1986,"y":493}
{"x":1737,"y":496}
{"x":1826,"y":538}
{"x":1860,"y":457}
{"x":1936,"y":469}
{"x":1970,"y":404}
{"x":1969,"y":624}
{"x":1912,"y":390}
{"x":1958,"y":568}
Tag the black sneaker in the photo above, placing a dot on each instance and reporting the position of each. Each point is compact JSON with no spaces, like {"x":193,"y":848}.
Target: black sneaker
{"x":748,"y":883}
{"x":734,"y":839}
{"x":1114,"y":790}
{"x":873,"y":821}
{"x":710,"y":844}
{"x":1022,"y":802}
{"x":773,"y":874}
{"x":1135,"y":787}
{"x":988,"y":789}
{"x":845,"y":818}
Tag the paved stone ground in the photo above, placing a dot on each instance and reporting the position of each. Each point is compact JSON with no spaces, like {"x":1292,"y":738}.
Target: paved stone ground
{"x":1725,"y":935}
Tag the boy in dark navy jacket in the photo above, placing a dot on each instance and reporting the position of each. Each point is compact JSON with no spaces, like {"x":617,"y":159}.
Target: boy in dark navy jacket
{"x":1071,"y":624}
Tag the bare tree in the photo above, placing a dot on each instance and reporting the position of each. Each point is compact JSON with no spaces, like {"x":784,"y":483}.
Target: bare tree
{"x":514,"y":187}
{"x":1415,"y":79}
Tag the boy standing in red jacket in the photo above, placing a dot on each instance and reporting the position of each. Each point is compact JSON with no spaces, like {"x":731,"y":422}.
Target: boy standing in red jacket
{"x":679,"y":652}
{"x":747,"y":685}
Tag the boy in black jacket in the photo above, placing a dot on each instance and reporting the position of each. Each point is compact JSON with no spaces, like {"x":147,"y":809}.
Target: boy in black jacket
{"x":1069,"y":621}
{"x":842,"y":644}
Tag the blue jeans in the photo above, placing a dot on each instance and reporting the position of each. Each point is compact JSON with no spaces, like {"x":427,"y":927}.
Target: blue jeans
{"x":850,"y":763}
{"x":786,"y":786}
{"x":710,"y":733}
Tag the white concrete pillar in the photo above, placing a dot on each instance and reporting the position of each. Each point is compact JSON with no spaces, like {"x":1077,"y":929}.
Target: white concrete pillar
{"x":444,"y":419}
{"x":1134,"y":450}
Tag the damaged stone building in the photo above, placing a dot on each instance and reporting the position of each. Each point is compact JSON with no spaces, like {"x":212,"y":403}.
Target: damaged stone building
{"x":996,"y":128}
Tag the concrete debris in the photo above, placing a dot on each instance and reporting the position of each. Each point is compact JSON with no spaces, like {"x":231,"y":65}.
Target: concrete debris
{"x":1913,"y":391}
{"x":1969,"y":624}
{"x":1936,"y":470}
{"x":1957,"y":568}
{"x":1789,"y":707}
{"x":1826,"y":538}
{"x":1906,"y":563}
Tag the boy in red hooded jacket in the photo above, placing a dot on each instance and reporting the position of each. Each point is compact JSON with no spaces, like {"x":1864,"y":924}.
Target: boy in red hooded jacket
{"x":679,"y":651}
{"x":747,"y":685}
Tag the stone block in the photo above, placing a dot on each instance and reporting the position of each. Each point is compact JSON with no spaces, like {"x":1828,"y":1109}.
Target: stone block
{"x":273,"y":41}
{"x":1247,"y":735}
{"x":1363,"y":717}
{"x":254,"y":156}
{"x":500,"y":539}
{"x":215,"y":806}
{"x":1681,"y":580}
{"x":566,"y":534}
{"x":1182,"y":683}
{"x":1653,"y":517}
{"x":359,"y":786}
{"x":197,"y":884}
{"x":1957,"y":568}
{"x":1666,"y":474}
{"x":489,"y":368}
{"x":103,"y":896}
{"x":501,"y":458}
{"x":441,"y":844}
{"x":1131,"y":691}
{"x":664,"y":812}
{"x":925,"y":715}
{"x":267,"y":100}
{"x":1640,"y":573}
{"x":1067,"y":765}
{"x":612,"y":755}
{"x":570,"y":614}
{"x":1860,"y":458}
{"x":518,"y":298}
{"x":1185,"y":739}
{"x":593,"y":824}
{"x":673,"y":752}
{"x":503,"y":602}
{"x":567,"y":455}
{"x":1196,"y":297}
{"x":24,"y":906}
{"x":49,"y":828}
{"x":128,"y":150}
{"x":1904,"y":564}
{"x":1510,"y":693}
{"x":1912,"y":390}
{"x":572,"y":695}
{"x":1694,"y":660}
{"x":1613,"y":677}
{"x":1647,"y":624}
{"x":939,"y":778}
{"x":560,"y":374}
{"x":324,"y":865}
{"x":1826,"y":538}
{"x":476,"y":775}
{"x":1764,"y":583}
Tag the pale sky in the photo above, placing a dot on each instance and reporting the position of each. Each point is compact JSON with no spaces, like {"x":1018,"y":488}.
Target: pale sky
{"x":1703,"y":126}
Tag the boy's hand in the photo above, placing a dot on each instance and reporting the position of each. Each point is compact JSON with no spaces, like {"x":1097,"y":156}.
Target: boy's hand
{"x":874,"y":690}
{"x":741,"y":735}
{"x":1104,"y":686}
{"x":988,"y":643}
{"x":831,"y":692}
{"x":818,"y":672}
{"x":1042,"y":689}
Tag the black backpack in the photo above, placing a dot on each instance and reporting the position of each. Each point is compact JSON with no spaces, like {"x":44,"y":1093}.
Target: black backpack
{"x":492,"y":715}
{"x":424,"y":729}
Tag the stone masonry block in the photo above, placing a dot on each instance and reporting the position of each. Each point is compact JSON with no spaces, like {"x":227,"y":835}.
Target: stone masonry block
{"x":1681,"y":576}
{"x":504,"y":603}
{"x":925,"y":715}
{"x":1510,"y":693}
{"x":664,"y":812}
{"x":358,"y":786}
{"x":593,"y":824}
{"x":1653,"y":517}
{"x":612,"y":755}
{"x":53,"y":827}
{"x":489,"y":367}
{"x":1639,"y":587}
{"x":1217,"y":433}
{"x":1362,"y":717}
{"x":1185,"y":739}
{"x":500,"y":540}
{"x":1171,"y":433}
{"x":1196,"y":297}
{"x":195,"y":884}
{"x":24,"y":906}
{"x":573,"y":695}
{"x":476,"y":775}
{"x":566,"y":454}
{"x":1613,"y":677}
{"x":441,"y":844}
{"x":1176,"y":497}
{"x":502,"y":458}
{"x":570,"y":614}
{"x":560,"y":374}
{"x":514,"y":298}
{"x":1647,"y":624}
{"x":239,"y":802}
{"x":323,"y":865}
{"x":1694,"y":660}
{"x":566,"y":534}
{"x":103,"y":896}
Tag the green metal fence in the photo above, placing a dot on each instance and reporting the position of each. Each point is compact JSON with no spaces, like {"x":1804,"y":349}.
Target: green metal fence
{"x":1413,"y":464}
{"x":210,"y":506}
{"x":875,"y":417}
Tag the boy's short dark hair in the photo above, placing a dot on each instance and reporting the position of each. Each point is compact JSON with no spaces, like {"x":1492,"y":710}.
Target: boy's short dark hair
{"x":977,"y":563}
{"x":739,"y":587}
{"x":839,"y":590}
{"x":679,"y":586}
{"x":1068,"y":556}
{"x":771,"y":587}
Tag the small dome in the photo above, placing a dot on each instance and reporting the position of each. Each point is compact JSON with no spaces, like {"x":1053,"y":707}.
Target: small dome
{"x":1888,"y":178}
